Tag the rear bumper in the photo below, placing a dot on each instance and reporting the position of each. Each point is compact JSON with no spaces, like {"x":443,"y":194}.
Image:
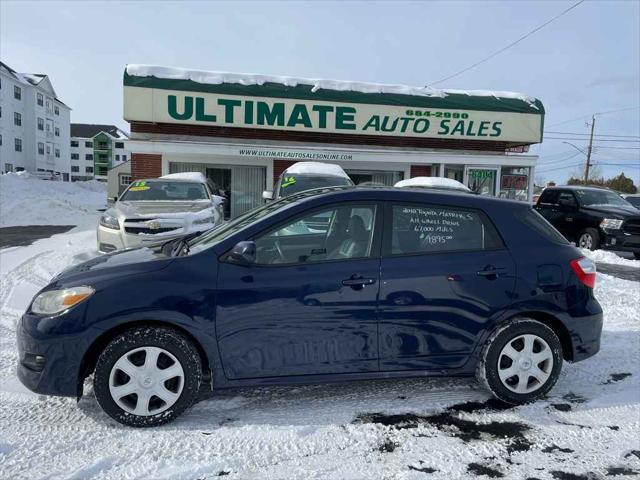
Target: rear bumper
{"x":585,"y":335}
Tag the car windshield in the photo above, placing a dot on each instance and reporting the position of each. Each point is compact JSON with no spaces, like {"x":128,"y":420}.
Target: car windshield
{"x":290,"y":184}
{"x":164,"y":191}
{"x":224,"y":231}
{"x":635,"y":201}
{"x":600,"y":197}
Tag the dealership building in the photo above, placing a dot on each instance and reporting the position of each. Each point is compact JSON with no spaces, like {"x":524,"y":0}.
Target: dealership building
{"x":242,"y":131}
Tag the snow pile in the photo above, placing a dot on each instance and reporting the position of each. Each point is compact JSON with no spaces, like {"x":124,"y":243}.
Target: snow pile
{"x":191,"y":176}
{"x":604,"y":256}
{"x":432,"y":182}
{"x":316,"y":168}
{"x":27,"y":200}
{"x":216,"y":78}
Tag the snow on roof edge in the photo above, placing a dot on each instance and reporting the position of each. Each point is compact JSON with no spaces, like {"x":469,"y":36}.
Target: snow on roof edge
{"x":216,"y":78}
{"x":317,"y":168}
{"x":432,"y":182}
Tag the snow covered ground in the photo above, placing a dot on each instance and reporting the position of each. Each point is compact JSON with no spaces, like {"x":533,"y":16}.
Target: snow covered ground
{"x":588,"y":427}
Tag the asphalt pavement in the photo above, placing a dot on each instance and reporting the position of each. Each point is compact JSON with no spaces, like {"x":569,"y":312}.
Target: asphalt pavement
{"x":26,"y":235}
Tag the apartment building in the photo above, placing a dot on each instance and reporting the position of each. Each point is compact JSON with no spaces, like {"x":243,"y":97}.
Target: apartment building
{"x":34,"y":125}
{"x":96,"y":149}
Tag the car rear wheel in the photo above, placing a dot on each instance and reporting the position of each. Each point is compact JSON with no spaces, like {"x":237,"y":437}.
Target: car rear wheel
{"x":521,"y":362}
{"x":589,"y":238}
{"x":147,"y":376}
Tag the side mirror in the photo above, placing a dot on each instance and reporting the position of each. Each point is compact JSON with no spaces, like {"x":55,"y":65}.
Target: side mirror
{"x":243,"y":252}
{"x":267,"y":195}
{"x":115,"y":199}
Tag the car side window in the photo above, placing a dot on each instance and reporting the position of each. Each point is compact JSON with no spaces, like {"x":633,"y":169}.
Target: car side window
{"x":549,"y":197}
{"x":432,"y":229}
{"x":338,"y":233}
{"x":567,"y":198}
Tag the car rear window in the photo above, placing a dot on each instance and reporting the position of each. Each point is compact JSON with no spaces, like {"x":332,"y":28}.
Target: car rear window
{"x":432,"y":229}
{"x":537,"y":222}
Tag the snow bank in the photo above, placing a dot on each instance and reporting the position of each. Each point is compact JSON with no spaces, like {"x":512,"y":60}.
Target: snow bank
{"x":431,"y":182}
{"x":191,"y":176}
{"x":605,"y":256}
{"x":27,"y":200}
{"x":316,"y":168}
{"x":215,"y":78}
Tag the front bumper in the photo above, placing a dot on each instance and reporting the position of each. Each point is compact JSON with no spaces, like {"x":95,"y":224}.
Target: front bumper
{"x":57,"y":370}
{"x":110,"y":240}
{"x":619,"y":240}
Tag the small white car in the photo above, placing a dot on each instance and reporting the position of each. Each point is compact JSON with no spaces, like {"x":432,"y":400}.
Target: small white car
{"x":305,"y":176}
{"x":438,"y":183}
{"x":157,"y":210}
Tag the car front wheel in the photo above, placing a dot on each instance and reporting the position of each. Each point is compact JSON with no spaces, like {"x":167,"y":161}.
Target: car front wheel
{"x":589,"y":238}
{"x":520,"y":362}
{"x":147,"y":376}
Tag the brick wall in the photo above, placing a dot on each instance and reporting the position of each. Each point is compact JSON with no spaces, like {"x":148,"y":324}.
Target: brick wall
{"x":420,"y":171}
{"x":145,"y":165}
{"x":280,"y":166}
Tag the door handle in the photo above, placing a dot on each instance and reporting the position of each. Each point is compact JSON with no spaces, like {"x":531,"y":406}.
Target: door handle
{"x":491,"y":271}
{"x":357,"y":282}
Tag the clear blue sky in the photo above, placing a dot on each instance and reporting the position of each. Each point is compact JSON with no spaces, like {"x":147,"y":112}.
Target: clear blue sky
{"x":585,"y":62}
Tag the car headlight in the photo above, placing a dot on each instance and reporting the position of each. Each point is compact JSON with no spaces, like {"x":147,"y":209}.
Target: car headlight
{"x":109,"y":221}
{"x":55,"y":301}
{"x":611,"y":224}
{"x":204,"y":220}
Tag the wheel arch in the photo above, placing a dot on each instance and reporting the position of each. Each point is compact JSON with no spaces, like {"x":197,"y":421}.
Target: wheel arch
{"x":90,"y":357}
{"x":555,"y":324}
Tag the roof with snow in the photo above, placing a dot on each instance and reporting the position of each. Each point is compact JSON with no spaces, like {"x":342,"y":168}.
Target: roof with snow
{"x":316,"y":168}
{"x":432,"y":182}
{"x":36,"y":79}
{"x":89,"y":130}
{"x":171,"y":78}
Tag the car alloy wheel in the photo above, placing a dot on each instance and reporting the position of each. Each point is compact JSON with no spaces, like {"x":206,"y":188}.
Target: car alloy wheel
{"x":146,"y":381}
{"x":525,"y":364}
{"x":585,"y":241}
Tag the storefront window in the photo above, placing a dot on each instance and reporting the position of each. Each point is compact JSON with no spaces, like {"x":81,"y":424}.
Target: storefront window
{"x":514,"y":183}
{"x":375,"y":177}
{"x":482,"y":180}
{"x":455,"y":172}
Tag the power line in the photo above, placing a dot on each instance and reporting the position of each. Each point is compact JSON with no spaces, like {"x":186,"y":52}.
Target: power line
{"x":595,"y":134}
{"x":620,"y":148}
{"x":599,"y":113}
{"x":597,"y":139}
{"x":508,"y":46}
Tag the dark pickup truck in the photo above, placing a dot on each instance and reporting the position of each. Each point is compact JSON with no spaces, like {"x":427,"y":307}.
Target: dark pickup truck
{"x":592,"y":217}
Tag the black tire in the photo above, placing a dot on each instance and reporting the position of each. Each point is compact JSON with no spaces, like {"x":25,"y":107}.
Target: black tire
{"x":595,"y":238}
{"x":636,"y":255}
{"x":487,"y":369}
{"x":147,"y":336}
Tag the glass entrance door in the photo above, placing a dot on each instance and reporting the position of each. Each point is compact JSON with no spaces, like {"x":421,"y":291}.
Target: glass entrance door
{"x":482,"y":180}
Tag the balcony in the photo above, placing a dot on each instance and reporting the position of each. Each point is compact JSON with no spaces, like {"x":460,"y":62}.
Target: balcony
{"x":101,"y":146}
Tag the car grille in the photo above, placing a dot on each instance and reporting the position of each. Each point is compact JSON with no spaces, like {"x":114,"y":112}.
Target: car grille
{"x":131,"y":227}
{"x":632,"y":227}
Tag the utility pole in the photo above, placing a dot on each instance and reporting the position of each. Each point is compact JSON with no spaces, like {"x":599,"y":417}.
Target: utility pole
{"x":586,"y":168}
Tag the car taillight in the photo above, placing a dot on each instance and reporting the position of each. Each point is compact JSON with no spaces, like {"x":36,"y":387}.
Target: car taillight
{"x":585,"y":269}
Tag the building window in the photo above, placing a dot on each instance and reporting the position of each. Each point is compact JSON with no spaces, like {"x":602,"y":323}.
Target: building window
{"x":17,"y":119}
{"x":0,"y":111}
{"x":0,"y":140}
{"x":8,"y":167}
{"x":119,"y":144}
{"x":117,"y":158}
{"x":88,"y":144}
{"x":75,"y":156}
{"x":57,"y":132}
{"x":124,"y":158}
{"x":56,"y":110}
{"x":88,"y":169}
{"x":17,"y":92}
{"x":88,"y":156}
{"x":40,"y":148}
{"x":40,"y":99}
{"x":75,"y":168}
{"x":102,"y":170}
{"x":18,"y":145}
{"x":48,"y":150}
{"x":40,"y":124}
{"x":57,"y":153}
{"x":125,"y":179}
{"x":74,"y":143}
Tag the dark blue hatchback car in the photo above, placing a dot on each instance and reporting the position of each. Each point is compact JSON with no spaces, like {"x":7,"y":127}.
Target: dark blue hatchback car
{"x":325,"y":285}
